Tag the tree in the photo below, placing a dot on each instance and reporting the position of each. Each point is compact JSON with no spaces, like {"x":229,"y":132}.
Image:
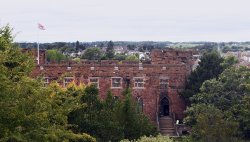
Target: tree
{"x":158,"y":138}
{"x":110,"y":119}
{"x":29,"y":112}
{"x":131,"y":47}
{"x":209,"y":124}
{"x":135,"y":124}
{"x":92,"y":54}
{"x":77,"y":45}
{"x":229,"y":96}
{"x":110,"y":50}
{"x":209,"y":67}
{"x":120,"y":57}
{"x":54,"y":55}
{"x":97,"y":118}
{"x":131,"y":58}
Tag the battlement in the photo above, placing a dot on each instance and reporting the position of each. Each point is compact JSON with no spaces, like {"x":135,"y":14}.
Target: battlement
{"x":171,"y":56}
{"x":166,"y":56}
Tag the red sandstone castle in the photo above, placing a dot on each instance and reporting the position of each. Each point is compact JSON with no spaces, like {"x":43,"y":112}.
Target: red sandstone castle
{"x":155,"y":85}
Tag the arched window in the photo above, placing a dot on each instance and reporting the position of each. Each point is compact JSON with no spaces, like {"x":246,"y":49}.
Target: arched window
{"x":139,"y":104}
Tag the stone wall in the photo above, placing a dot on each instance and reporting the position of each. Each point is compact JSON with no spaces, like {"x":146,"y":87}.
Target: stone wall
{"x":166,"y":65}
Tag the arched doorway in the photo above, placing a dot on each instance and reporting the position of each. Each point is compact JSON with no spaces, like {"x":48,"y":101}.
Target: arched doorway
{"x":164,"y":107}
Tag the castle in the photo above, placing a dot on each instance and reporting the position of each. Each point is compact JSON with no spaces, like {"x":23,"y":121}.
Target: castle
{"x":155,"y":85}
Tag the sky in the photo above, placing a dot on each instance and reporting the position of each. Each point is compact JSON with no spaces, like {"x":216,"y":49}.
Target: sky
{"x":127,"y":20}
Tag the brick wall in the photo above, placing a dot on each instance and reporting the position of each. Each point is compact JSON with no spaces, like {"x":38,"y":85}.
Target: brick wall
{"x":167,"y":64}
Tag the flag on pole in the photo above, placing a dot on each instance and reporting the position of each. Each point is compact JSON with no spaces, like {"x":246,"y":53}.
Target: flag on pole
{"x":40,"y":26}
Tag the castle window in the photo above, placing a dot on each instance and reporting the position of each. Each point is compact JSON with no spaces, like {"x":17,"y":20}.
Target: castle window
{"x":94,"y":80}
{"x":163,"y":83}
{"x":140,"y":68}
{"x":67,"y":80}
{"x":139,"y":107}
{"x":116,"y":82}
{"x":138,"y":82}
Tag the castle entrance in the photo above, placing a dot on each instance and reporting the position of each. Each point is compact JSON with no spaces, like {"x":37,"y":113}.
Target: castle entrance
{"x":164,"y":107}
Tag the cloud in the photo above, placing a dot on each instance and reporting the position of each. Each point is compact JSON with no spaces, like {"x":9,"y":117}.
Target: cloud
{"x":84,"y":20}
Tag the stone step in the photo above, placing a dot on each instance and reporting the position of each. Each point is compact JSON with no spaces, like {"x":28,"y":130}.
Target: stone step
{"x":168,"y":134}
{"x":167,"y":131}
{"x":167,"y":126}
{"x":166,"y":122}
{"x":166,"y":117}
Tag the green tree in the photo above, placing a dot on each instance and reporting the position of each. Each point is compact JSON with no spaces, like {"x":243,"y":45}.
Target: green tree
{"x":110,"y":119}
{"x":228,"y":62}
{"x":229,"y":95}
{"x":97,"y":118}
{"x":131,"y":47}
{"x":120,"y":57}
{"x":28,"y":111}
{"x":135,"y":124}
{"x":131,"y":58}
{"x":158,"y":138}
{"x":77,"y":45}
{"x":209,"y":67}
{"x":92,"y":54}
{"x":210,"y":124}
{"x":54,"y":55}
{"x":110,"y":50}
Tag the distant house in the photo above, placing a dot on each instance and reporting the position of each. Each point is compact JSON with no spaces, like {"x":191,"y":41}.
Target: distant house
{"x":242,"y":56}
{"x":120,"y":49}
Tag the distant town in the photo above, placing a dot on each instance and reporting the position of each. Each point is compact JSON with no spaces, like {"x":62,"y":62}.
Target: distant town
{"x":58,"y":51}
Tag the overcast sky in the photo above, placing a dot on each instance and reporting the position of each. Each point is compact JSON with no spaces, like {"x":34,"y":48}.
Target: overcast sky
{"x":128,"y":20}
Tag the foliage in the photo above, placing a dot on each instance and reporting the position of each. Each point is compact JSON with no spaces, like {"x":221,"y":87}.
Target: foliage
{"x":54,"y":55}
{"x":30,"y":112}
{"x":158,"y":138}
{"x":209,"y":123}
{"x":210,"y":66}
{"x":228,"y":62}
{"x":132,"y":58}
{"x":244,"y":115}
{"x":135,"y":124}
{"x":225,"y":103}
{"x":95,"y":118}
{"x":77,"y":59}
{"x":110,"y":119}
{"x":131,"y":47}
{"x":110,"y":50}
{"x":120,"y":57}
{"x":92,"y":54}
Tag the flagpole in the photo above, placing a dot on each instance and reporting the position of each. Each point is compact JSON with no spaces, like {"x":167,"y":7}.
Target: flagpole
{"x":40,"y":27}
{"x":38,"y":56}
